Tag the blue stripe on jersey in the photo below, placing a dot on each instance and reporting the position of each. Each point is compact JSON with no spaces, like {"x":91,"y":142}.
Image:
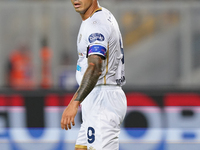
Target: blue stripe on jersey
{"x":97,"y":49}
{"x":78,"y":68}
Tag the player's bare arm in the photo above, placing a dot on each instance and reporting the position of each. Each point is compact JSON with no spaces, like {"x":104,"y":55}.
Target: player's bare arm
{"x":89,"y":81}
{"x":90,"y":77}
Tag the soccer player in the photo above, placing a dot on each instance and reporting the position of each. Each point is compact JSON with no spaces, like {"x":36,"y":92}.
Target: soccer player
{"x":100,"y":74}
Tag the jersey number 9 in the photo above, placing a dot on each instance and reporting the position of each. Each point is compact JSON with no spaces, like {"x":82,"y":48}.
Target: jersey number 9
{"x":91,"y":135}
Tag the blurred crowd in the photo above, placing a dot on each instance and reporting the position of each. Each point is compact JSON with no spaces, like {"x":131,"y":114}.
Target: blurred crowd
{"x":20,"y":69}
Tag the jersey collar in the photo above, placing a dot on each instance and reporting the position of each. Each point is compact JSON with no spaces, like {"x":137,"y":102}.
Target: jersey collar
{"x":98,"y":9}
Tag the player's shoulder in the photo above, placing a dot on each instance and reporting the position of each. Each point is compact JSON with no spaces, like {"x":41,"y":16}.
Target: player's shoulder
{"x":101,"y":14}
{"x":100,"y":18}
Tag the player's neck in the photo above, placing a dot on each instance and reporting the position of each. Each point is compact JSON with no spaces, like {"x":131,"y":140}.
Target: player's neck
{"x":89,"y":12}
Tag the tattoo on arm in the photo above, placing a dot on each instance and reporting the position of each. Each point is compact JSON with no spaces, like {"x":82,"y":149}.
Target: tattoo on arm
{"x":90,"y":77}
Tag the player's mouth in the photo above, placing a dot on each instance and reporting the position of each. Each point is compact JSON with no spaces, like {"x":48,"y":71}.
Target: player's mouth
{"x":77,"y":4}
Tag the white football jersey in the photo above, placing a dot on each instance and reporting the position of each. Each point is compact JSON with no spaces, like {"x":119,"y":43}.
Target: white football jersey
{"x":100,"y":34}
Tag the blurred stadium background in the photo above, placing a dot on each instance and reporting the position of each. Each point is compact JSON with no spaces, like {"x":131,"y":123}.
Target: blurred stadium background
{"x":37,"y":73}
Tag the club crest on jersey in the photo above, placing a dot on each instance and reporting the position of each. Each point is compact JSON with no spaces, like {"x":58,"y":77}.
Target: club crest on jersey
{"x":96,"y":37}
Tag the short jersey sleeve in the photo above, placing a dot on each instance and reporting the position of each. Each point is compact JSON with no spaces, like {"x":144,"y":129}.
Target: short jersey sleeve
{"x":97,"y":39}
